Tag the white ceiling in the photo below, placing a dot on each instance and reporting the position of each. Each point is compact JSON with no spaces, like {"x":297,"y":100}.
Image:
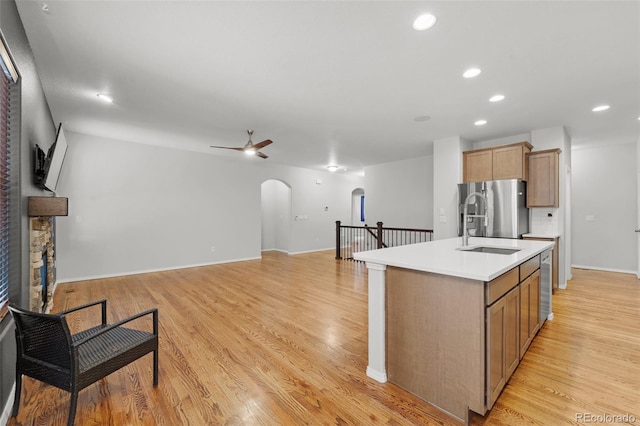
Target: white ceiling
{"x":337,"y":81}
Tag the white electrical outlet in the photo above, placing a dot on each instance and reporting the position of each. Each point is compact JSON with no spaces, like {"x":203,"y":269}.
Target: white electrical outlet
{"x":213,"y":248}
{"x":590,"y":218}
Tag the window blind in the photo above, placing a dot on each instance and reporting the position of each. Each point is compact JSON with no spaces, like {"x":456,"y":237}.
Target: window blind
{"x":8,"y":76}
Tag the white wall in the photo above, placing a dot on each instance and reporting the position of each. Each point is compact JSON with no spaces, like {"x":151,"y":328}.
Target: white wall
{"x":447,"y":174}
{"x":604,"y":190}
{"x":400,"y":193}
{"x":136,"y":208}
{"x":322,"y":198}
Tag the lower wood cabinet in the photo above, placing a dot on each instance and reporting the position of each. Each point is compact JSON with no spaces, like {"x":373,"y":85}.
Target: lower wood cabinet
{"x":512,"y":321}
{"x":455,"y":342}
{"x":502,"y":343}
{"x":512,"y":331}
{"x":529,"y":310}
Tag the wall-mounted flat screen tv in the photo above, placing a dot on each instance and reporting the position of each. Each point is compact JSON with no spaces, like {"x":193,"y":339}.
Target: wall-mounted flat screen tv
{"x":47,"y":175}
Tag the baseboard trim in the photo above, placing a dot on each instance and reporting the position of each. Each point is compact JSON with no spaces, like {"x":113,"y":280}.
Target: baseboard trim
{"x":275,"y":249}
{"x":598,"y":268}
{"x":379,"y":376}
{"x":147,"y":271}
{"x":313,"y":251}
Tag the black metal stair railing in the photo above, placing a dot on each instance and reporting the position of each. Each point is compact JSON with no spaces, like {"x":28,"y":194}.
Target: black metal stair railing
{"x":352,"y":239}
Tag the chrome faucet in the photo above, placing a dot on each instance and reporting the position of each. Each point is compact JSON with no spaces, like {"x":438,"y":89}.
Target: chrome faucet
{"x":465,"y":235}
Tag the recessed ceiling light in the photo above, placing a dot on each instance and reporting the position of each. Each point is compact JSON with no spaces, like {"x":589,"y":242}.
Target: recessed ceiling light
{"x":332,"y":168}
{"x":422,"y":118}
{"x":600,"y":108}
{"x":105,"y":98}
{"x":480,"y":122}
{"x":496,"y":98}
{"x":472,"y":72}
{"x":424,"y":22}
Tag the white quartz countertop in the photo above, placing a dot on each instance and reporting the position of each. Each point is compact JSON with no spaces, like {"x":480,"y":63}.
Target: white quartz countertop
{"x":441,"y":257}
{"x":540,"y":235}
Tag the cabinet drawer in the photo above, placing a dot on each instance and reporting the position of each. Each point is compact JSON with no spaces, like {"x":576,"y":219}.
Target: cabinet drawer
{"x":529,"y":267}
{"x":497,"y":287}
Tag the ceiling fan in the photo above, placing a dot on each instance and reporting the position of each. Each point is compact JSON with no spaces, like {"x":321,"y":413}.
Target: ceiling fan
{"x":250,"y":148}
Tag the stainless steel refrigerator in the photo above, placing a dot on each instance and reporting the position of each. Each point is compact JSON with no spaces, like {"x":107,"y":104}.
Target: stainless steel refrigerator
{"x":506,"y":213}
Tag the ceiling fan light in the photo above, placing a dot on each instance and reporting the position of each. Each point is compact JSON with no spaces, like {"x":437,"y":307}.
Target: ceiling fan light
{"x":472,"y":72}
{"x":600,"y":108}
{"x":250,"y":151}
{"x":424,"y":22}
{"x":105,"y":98}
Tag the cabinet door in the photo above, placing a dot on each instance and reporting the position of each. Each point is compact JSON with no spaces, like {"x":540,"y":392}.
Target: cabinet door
{"x":525,"y":303}
{"x":542,"y":187}
{"x":509,"y":163}
{"x":477,"y":166}
{"x":496,"y":363}
{"x":529,"y":310}
{"x":512,"y":331}
{"x":534,"y":304}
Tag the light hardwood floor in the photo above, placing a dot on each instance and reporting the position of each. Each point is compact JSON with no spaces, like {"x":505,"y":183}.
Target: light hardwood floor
{"x":283,"y":340}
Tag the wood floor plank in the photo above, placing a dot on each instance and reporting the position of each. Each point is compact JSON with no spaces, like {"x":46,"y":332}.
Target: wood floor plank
{"x":283,"y":340}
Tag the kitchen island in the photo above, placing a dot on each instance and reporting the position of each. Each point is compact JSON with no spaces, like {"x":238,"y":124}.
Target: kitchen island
{"x":450,"y":324}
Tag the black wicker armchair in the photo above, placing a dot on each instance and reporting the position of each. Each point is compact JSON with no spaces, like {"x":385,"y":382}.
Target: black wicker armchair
{"x":48,"y":352}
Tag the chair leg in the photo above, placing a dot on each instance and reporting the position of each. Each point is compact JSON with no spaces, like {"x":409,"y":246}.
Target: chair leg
{"x":16,"y":399}
{"x":72,"y":408}
{"x":155,"y":368}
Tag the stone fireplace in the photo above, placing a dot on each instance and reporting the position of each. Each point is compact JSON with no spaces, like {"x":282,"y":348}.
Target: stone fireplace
{"x":42,"y":276}
{"x":43,"y":271}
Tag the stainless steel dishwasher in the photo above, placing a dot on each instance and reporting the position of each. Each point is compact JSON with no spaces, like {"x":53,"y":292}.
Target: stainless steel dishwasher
{"x":546,"y":313}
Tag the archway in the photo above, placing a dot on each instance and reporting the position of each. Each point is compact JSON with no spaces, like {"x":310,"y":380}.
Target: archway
{"x":357,"y":207}
{"x":276,"y":215}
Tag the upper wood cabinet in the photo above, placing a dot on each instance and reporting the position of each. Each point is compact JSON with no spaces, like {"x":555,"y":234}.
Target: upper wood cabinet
{"x":502,"y":162}
{"x":478,"y":165}
{"x":543,"y":185}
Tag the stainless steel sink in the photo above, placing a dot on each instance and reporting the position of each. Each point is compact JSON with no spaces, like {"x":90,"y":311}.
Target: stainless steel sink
{"x":489,"y":249}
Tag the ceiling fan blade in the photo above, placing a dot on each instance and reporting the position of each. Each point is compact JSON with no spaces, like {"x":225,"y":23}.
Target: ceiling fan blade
{"x":228,"y":147}
{"x":261,"y":155}
{"x":263,"y":144}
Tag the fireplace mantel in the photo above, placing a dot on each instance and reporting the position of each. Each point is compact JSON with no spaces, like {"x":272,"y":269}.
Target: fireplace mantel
{"x":48,"y":206}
